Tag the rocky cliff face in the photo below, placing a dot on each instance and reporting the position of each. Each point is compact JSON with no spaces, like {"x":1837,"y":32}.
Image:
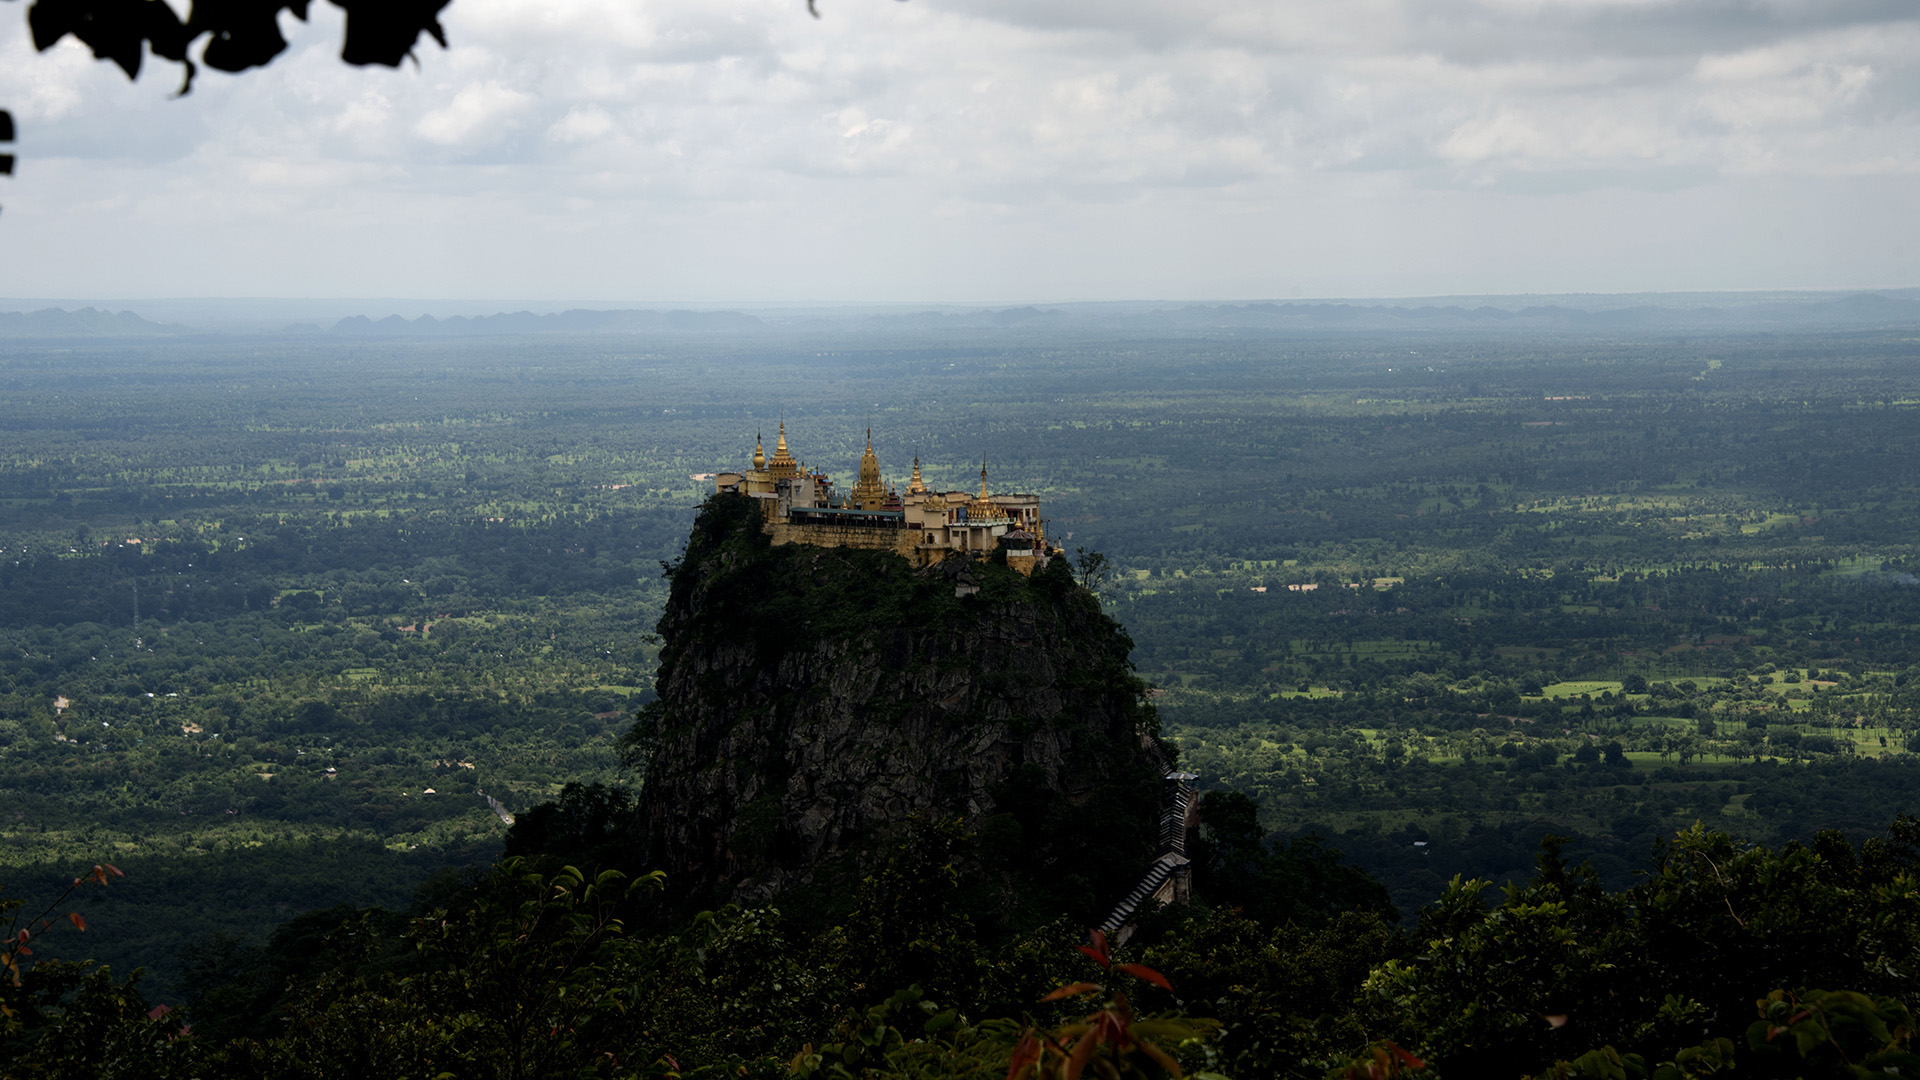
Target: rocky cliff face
{"x":813,"y":701}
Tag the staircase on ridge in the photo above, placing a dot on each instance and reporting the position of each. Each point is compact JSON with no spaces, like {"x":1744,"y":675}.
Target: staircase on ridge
{"x":1167,"y":879}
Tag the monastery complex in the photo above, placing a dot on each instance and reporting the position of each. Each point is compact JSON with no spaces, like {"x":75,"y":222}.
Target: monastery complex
{"x":922,"y":525}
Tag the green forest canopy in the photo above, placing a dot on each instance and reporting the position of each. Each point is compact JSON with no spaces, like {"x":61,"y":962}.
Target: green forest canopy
{"x":1595,"y":587}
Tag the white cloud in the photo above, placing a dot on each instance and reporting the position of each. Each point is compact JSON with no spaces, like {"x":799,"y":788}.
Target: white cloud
{"x":478,"y":114}
{"x":583,"y":123}
{"x":745,"y":129}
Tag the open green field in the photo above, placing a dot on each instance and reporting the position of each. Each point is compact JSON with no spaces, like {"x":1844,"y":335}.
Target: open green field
{"x":1557,"y":584}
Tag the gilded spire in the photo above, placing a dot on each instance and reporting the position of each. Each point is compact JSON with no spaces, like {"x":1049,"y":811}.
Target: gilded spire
{"x":783,"y":465}
{"x":983,"y":506}
{"x":868,"y":491}
{"x":759,"y":452}
{"x":916,"y":486}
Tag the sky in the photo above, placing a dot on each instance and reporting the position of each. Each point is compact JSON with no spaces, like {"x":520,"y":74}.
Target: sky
{"x":989,"y":151}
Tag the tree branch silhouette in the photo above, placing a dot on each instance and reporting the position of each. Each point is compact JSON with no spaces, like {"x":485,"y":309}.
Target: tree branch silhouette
{"x":239,"y":34}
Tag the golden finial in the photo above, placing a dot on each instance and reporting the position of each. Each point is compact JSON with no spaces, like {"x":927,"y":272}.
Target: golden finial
{"x":759,"y":452}
{"x":869,"y":491}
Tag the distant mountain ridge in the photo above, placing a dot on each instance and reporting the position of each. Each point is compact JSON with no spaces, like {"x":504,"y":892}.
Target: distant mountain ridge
{"x":576,"y":321}
{"x":979,"y":317}
{"x":1897,"y":309}
{"x":86,"y":322}
{"x":1857,"y":310}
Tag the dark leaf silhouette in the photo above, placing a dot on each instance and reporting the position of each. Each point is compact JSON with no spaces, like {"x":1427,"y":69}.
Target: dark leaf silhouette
{"x":384,"y":31}
{"x":241,"y":34}
{"x":116,"y":30}
{"x":244,"y":35}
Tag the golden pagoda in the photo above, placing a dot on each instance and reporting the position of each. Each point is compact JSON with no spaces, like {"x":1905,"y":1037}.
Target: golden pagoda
{"x":783,"y":467}
{"x":982,"y":508}
{"x":921,"y":524}
{"x":868,"y":491}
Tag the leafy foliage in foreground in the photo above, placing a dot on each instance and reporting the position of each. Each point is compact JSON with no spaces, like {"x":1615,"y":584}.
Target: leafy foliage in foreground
{"x":1797,"y":961}
{"x":1561,"y":969}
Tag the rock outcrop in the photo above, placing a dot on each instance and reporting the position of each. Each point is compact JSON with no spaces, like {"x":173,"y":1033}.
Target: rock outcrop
{"x":813,"y":701}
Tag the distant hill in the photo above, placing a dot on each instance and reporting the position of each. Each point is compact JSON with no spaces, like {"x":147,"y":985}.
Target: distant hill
{"x":1731,"y":312}
{"x":1861,"y":310}
{"x":86,"y":322}
{"x":577,"y":321}
{"x":973,"y":318}
{"x":1888,"y":309}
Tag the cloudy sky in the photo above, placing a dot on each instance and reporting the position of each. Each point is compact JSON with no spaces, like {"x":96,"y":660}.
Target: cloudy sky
{"x":989,"y":151}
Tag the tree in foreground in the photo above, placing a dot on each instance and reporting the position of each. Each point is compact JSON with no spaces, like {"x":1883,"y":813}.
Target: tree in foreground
{"x":1728,"y":959}
{"x":228,"y":35}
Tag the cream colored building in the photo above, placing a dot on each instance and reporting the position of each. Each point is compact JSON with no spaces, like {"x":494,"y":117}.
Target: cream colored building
{"x":921,"y":524}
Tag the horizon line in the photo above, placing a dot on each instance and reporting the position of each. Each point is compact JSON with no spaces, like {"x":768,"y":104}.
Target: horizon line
{"x":638,"y":304}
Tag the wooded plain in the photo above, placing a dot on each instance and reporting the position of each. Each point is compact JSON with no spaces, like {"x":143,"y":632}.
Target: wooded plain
{"x":278,"y":613}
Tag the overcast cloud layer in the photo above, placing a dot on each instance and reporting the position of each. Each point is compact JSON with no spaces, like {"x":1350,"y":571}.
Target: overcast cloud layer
{"x":992,"y":150}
